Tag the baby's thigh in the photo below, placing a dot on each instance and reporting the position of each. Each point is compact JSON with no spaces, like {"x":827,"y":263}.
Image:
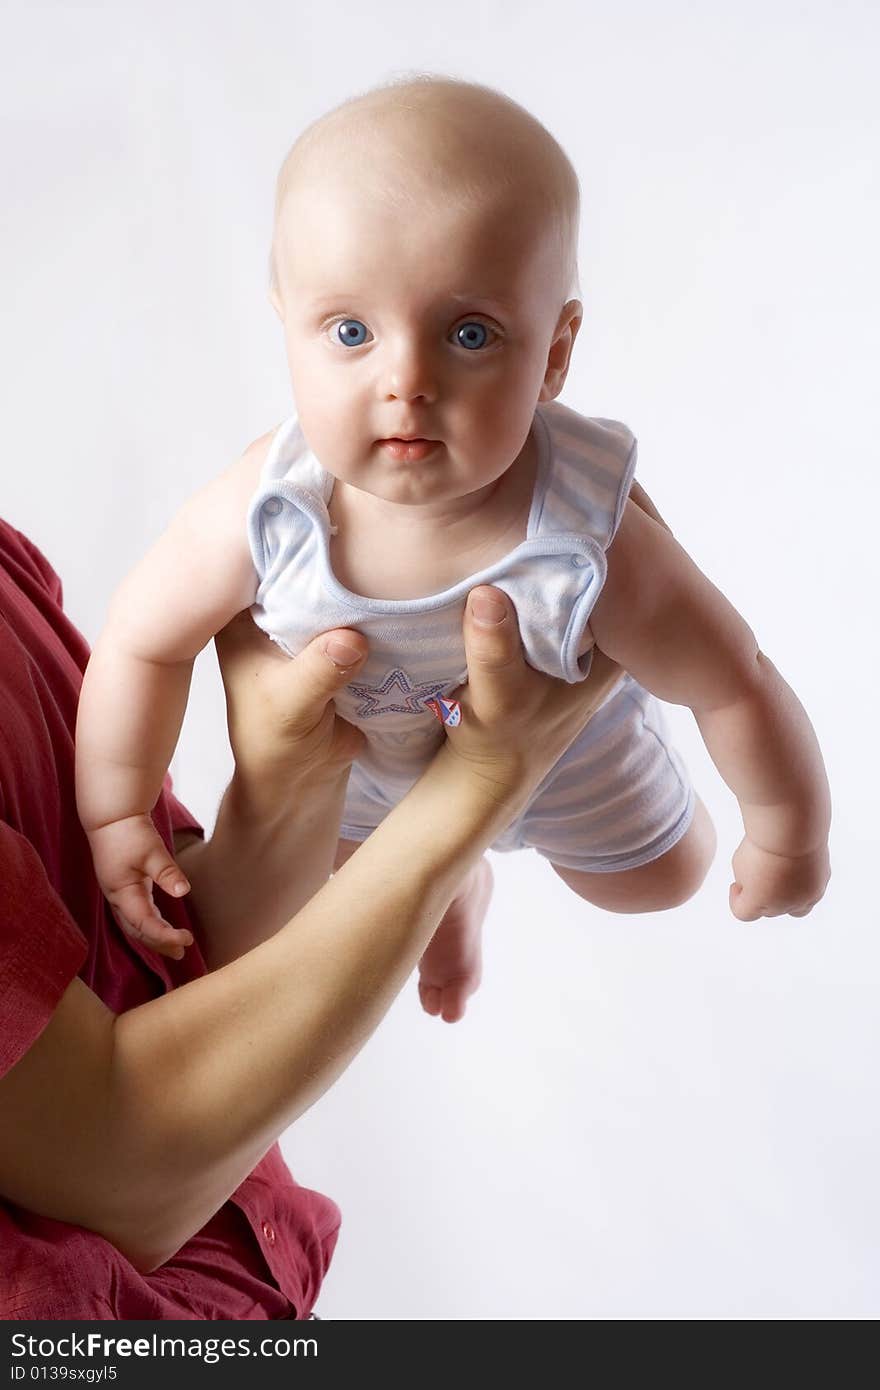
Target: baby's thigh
{"x":662,"y":883}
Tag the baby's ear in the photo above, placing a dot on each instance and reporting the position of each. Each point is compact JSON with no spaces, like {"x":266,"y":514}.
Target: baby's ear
{"x":559,"y":356}
{"x":275,"y":301}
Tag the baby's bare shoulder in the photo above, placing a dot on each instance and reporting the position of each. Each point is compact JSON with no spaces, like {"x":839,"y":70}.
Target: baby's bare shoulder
{"x":255,"y":454}
{"x":657,"y":608}
{"x":646,"y":566}
{"x":247,"y":469}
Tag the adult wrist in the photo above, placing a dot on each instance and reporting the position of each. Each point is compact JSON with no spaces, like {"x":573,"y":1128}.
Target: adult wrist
{"x":264,"y":804}
{"x":502,"y":785}
{"x":457,"y":808}
{"x":263,"y":861}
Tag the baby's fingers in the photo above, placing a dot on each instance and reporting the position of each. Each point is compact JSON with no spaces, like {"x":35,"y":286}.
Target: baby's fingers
{"x":164,"y":872}
{"x":747,"y":909}
{"x":742,"y":904}
{"x":139,"y":918}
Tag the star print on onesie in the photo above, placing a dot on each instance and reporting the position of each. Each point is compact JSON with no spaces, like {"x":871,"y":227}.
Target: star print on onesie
{"x":374,"y":703}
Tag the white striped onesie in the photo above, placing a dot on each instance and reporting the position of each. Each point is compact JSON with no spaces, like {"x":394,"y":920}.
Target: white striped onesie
{"x":620,"y":796}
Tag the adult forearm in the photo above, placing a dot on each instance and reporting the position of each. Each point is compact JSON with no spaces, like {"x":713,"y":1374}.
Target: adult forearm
{"x":205,"y":1079}
{"x":257,"y":870}
{"x":766,"y":750}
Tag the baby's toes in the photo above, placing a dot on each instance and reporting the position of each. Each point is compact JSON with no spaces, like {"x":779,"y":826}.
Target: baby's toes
{"x":455,"y":997}
{"x":431,"y":997}
{"x":448,"y":1000}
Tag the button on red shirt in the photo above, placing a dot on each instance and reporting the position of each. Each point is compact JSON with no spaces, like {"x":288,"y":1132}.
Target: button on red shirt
{"x":264,"y":1253}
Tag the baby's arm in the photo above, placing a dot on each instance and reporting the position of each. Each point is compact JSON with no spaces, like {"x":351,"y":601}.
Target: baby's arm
{"x":661,"y":618}
{"x":196,"y":577}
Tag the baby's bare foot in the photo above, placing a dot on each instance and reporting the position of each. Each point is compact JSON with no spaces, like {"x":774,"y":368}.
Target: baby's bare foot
{"x":450,"y":969}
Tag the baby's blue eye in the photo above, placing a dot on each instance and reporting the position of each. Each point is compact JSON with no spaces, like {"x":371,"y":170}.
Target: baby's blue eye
{"x":351,"y":332}
{"x":472,"y":335}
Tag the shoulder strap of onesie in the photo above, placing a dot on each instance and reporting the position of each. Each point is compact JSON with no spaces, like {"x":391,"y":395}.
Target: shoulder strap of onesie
{"x":589,"y":465}
{"x":585,"y":471}
{"x":293,"y":486}
{"x":290,"y":457}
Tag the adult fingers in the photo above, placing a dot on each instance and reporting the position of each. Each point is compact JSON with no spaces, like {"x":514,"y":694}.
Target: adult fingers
{"x":321,"y":669}
{"x":493,"y":649}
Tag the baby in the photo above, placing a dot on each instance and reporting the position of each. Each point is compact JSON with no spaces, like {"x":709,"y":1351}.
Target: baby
{"x":423,"y":267}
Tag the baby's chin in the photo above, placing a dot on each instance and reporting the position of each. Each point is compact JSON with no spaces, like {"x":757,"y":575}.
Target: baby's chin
{"x":408,"y":482}
{"x":409,"y":491}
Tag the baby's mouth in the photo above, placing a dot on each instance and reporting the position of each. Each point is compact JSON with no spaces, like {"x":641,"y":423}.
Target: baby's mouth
{"x":408,"y":450}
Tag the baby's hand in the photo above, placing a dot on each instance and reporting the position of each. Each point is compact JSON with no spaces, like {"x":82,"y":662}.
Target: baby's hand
{"x":129,"y":857}
{"x":770,"y":885}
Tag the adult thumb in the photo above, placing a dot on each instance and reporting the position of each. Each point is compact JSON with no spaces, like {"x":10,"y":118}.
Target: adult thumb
{"x":490,"y":630}
{"x":493,"y":647}
{"x":324,"y":667}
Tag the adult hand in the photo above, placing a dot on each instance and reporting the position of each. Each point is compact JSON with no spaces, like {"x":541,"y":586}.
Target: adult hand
{"x":283,"y":726}
{"x":276,"y":831}
{"x":516,"y":722}
{"x":519,"y":722}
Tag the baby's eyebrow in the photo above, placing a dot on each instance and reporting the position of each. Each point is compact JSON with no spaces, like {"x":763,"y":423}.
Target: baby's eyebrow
{"x":323,"y":301}
{"x":493,"y":301}
{"x":454,"y":299}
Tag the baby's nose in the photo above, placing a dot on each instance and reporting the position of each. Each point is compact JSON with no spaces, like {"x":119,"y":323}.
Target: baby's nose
{"x":410,"y":374}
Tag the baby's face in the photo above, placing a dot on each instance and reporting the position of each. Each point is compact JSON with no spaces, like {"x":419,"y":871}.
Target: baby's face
{"x":429,"y":322}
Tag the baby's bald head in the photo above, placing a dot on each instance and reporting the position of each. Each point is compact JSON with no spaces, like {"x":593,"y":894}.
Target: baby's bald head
{"x":435,"y":138}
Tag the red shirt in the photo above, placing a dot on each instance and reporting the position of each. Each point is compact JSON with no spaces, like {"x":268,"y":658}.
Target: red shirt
{"x":264,"y":1253}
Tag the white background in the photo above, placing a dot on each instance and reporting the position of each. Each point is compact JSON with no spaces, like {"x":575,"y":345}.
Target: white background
{"x":668,"y":1116}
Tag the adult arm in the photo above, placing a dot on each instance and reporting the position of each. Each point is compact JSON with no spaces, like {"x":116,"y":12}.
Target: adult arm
{"x":140,"y":1126}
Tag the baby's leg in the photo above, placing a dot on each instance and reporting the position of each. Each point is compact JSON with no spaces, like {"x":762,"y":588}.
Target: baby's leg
{"x":450,"y":968}
{"x":663,"y":883}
